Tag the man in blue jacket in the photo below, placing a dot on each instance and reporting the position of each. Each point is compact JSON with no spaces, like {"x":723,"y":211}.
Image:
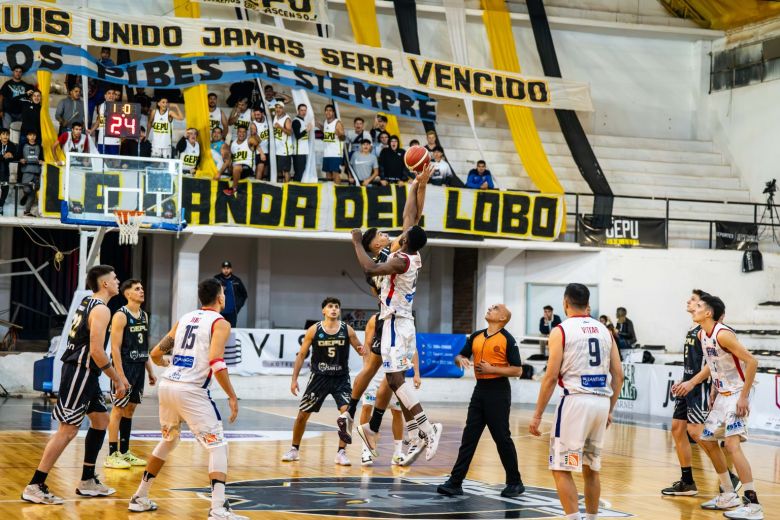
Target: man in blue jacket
{"x":480,"y":178}
{"x":235,"y":293}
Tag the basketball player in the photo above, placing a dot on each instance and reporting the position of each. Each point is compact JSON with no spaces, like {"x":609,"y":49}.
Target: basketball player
{"x":333,"y":140}
{"x":398,"y":341}
{"x":197,"y":346}
{"x":130,"y":357}
{"x":330,"y":339}
{"x":733,"y":371}
{"x":379,"y":246}
{"x":217,"y":117}
{"x":162,"y":128}
{"x":690,"y":410}
{"x":242,"y":155}
{"x":240,"y":117}
{"x":259,"y":128}
{"x":79,"y":393}
{"x":584,"y":360}
{"x":283,"y":146}
{"x":379,"y":385}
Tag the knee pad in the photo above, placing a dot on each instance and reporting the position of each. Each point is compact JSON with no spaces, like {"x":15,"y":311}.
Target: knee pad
{"x":218,"y":462}
{"x":407,"y":395}
{"x":211,"y":438}
{"x":164,"y":447}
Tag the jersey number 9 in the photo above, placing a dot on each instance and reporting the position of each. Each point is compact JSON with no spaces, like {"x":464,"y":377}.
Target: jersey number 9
{"x":594,"y":349}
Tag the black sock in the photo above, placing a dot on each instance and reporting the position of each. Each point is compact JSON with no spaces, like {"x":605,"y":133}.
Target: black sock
{"x":113,"y":447}
{"x":732,"y":476}
{"x":340,"y":449}
{"x":93,"y":441}
{"x":39,"y":477}
{"x":87,"y":472}
{"x":296,"y":446}
{"x":216,"y":481}
{"x":125,"y":424}
{"x":376,"y":420}
{"x":752,"y":496}
{"x":352,"y":406}
{"x":687,"y":475}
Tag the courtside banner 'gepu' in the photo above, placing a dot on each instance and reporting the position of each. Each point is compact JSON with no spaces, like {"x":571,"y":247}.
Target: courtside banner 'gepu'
{"x":325,"y":207}
{"x":26,"y":20}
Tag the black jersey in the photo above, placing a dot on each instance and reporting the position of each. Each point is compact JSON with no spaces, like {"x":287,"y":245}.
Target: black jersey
{"x":693,"y":354}
{"x":330,"y":352}
{"x":375,"y":282}
{"x":135,"y":340}
{"x":78,"y":338}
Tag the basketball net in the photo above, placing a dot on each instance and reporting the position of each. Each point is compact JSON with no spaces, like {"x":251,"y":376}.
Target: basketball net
{"x":129,"y":222}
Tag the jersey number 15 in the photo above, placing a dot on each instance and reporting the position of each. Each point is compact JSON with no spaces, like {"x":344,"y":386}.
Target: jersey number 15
{"x":190,"y":333}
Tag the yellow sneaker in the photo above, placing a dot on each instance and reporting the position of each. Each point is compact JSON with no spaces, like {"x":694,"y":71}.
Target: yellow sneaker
{"x":116,"y":461}
{"x":133,"y":460}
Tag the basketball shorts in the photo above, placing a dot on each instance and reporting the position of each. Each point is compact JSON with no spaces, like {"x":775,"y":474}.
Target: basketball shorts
{"x":693,"y":407}
{"x":79,"y":394}
{"x":369,"y":396}
{"x":164,"y":152}
{"x":320,"y":387}
{"x":283,"y":163}
{"x":399,"y":343}
{"x":578,"y":432}
{"x":331,"y":164}
{"x":189,"y":403}
{"x":136,"y":375}
{"x":246,"y":171}
{"x":722,"y":420}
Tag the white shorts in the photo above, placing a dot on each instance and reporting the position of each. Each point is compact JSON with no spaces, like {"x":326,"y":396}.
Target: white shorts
{"x":162,"y":153}
{"x":369,"y":396}
{"x":399,"y":343}
{"x":578,"y":432}
{"x":722,"y":421}
{"x":193,"y":405}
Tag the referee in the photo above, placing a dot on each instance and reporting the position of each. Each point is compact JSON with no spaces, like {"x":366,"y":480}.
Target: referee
{"x":496,"y":358}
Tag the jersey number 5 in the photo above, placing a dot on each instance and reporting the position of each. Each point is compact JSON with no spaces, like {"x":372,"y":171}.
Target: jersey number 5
{"x":189,"y":337}
{"x":331,"y":352}
{"x":594,"y":349}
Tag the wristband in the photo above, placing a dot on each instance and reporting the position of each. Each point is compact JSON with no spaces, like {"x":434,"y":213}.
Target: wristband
{"x":217,"y":365}
{"x":106,"y":366}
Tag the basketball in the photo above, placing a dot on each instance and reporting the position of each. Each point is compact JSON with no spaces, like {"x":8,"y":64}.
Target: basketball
{"x":416,"y":158}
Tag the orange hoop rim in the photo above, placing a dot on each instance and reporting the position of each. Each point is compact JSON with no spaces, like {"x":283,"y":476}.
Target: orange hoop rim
{"x":123,"y":216}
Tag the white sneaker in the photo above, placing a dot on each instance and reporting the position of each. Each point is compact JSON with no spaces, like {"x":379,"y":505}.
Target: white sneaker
{"x":397,"y":459}
{"x":748,"y":511}
{"x":432,"y":442}
{"x":141,"y":504}
{"x":723,"y":501}
{"x":291,"y":455}
{"x":342,"y":459}
{"x":415,"y":450}
{"x":344,"y":422}
{"x":369,"y":438}
{"x":366,"y":459}
{"x":40,"y":494}
{"x":225,"y":513}
{"x":94,"y":488}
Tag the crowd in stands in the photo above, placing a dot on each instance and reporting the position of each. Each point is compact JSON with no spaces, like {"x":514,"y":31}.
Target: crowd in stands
{"x":240,"y":141}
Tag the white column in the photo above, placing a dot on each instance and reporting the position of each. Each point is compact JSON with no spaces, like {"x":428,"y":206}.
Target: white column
{"x":262,"y":285}
{"x":491,"y":279}
{"x":186,"y":273}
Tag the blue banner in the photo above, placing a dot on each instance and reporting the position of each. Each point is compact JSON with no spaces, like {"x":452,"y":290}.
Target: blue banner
{"x":437,"y":354}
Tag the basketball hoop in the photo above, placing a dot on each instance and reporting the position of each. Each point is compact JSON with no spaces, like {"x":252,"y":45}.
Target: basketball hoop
{"x":128,"y":221}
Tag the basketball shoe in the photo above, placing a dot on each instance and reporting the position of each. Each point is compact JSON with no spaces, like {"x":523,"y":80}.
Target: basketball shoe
{"x":415,"y":450}
{"x":748,"y":511}
{"x":366,"y":459}
{"x":40,"y":494}
{"x":432,"y":442}
{"x":133,"y":460}
{"x":680,"y":488}
{"x":141,"y":504}
{"x":291,"y":455}
{"x":225,"y":513}
{"x":723,"y":501}
{"x":341,"y":458}
{"x":369,"y":438}
{"x":94,"y":488}
{"x":116,"y":461}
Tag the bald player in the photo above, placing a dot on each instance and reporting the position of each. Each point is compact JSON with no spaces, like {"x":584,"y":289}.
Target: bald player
{"x":496,"y":359}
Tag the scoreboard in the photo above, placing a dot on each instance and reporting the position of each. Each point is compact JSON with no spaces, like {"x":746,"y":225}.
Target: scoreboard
{"x":123,"y":120}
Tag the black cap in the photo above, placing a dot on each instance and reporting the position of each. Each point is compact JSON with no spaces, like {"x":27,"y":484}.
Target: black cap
{"x":368,"y":236}
{"x":226,"y":263}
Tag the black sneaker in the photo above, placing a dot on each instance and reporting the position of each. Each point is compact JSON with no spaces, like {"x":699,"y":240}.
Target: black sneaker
{"x":735,"y":482}
{"x":681,"y":489}
{"x":513,"y":490}
{"x":450,"y":489}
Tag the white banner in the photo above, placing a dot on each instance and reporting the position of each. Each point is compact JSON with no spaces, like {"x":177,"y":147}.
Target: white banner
{"x":314,"y":11}
{"x":170,"y":35}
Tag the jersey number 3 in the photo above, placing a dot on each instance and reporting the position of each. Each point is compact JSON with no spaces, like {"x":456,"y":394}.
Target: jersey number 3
{"x":594,"y":349}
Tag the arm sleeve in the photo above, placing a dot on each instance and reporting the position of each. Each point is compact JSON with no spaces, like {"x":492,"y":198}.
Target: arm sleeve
{"x":63,"y":138}
{"x":297,"y":129}
{"x":181,"y":145}
{"x":512,"y":351}
{"x":466,"y":350}
{"x":471,"y":181}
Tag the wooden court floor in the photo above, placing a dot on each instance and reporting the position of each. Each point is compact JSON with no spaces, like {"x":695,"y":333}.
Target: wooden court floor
{"x":638,"y":461}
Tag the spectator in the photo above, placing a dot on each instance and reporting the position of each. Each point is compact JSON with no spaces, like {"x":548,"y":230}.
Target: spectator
{"x":235,"y":293}
{"x":391,"y":160}
{"x":220,"y":152}
{"x":188,"y":150}
{"x":106,"y":145}
{"x":480,"y":177}
{"x":238,"y":91}
{"x":414,"y":142}
{"x":217,"y":117}
{"x":356,"y":137}
{"x":30,"y":160}
{"x":105,"y":57}
{"x":270,"y":95}
{"x":621,"y":343}
{"x":380,"y":125}
{"x":604,"y":319}
{"x":301,"y":133}
{"x":102,"y":87}
{"x":240,"y":117}
{"x":382,"y":143}
{"x":7,"y":154}
{"x":242,"y":157}
{"x":13,"y":91}
{"x":31,"y":116}
{"x":442,"y":173}
{"x":365,"y":165}
{"x":625,"y":327}
{"x":259,"y":128}
{"x":283,"y":147}
{"x":333,"y":140}
{"x":136,"y":148}
{"x":73,"y":140}
{"x":161,"y":134}
{"x":549,"y":321}
{"x":70,"y":110}
{"x":432,"y":142}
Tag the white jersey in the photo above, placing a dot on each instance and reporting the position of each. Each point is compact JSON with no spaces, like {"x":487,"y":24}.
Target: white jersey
{"x":190,"y":156}
{"x":244,"y":120}
{"x":282,"y":141}
{"x":587,"y":345}
{"x":190,"y":355}
{"x":333,"y":144}
{"x":242,"y":154}
{"x":397,"y":295}
{"x":355,"y":141}
{"x":262,"y":134}
{"x":215,"y":118}
{"x":104,"y":139}
{"x":728,"y":371}
{"x":302,"y":144}
{"x":73,"y":147}
{"x":160,"y":135}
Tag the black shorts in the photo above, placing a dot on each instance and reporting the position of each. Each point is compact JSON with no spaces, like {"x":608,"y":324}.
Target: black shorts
{"x":246,"y":171}
{"x":136,"y":376}
{"x":320,"y":386}
{"x":79,"y":394}
{"x":693,"y":407}
{"x":283,"y":163}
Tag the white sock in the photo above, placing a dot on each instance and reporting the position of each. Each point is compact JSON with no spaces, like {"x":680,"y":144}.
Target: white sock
{"x":594,"y":516}
{"x":399,"y":446}
{"x":143,"y":487}
{"x":725,"y":482}
{"x":217,"y":495}
{"x":411,"y":429}
{"x":423,"y":424}
{"x":748,"y":486}
{"x":574,"y":516}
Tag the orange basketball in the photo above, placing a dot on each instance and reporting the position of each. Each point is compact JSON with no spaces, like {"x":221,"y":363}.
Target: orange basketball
{"x":416,"y":158}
